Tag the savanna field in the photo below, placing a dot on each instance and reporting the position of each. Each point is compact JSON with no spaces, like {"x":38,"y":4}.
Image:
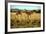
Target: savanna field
{"x":25,"y":18}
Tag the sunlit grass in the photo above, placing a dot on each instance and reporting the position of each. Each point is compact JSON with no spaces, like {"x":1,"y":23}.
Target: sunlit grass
{"x":25,"y":20}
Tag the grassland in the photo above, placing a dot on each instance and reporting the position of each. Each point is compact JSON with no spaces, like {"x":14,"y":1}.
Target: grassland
{"x":25,"y":18}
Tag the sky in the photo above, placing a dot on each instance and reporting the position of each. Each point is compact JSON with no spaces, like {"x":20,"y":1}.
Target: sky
{"x":22,"y":7}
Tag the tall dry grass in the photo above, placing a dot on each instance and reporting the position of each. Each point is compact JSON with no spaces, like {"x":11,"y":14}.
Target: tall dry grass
{"x":24,"y":20}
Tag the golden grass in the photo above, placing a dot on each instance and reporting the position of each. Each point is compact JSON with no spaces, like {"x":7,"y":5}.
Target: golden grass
{"x":24,"y":20}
